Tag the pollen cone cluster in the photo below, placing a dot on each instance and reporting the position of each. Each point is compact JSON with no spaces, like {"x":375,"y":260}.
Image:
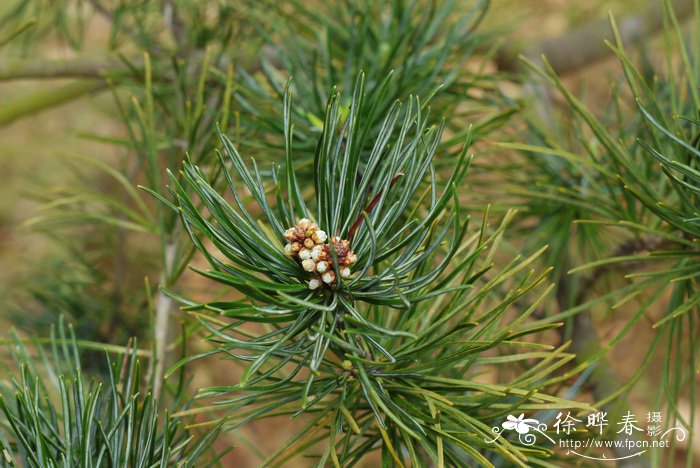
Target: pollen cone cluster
{"x":310,"y":245}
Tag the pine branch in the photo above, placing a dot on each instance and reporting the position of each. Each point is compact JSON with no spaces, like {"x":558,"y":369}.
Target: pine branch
{"x":165,"y":306}
{"x":48,"y":98}
{"x":74,"y":419}
{"x":17,"y":31}
{"x":381,"y":335}
{"x":619,"y":154}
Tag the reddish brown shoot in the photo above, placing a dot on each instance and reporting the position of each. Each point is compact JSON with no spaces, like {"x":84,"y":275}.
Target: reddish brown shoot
{"x":371,"y":206}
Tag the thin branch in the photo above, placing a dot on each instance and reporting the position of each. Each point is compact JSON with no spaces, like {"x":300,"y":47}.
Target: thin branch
{"x":164,"y":307}
{"x":632,"y":246}
{"x":72,"y":68}
{"x":101,"y":9}
{"x":18,"y":31}
{"x":174,"y":22}
{"x":47,"y":98}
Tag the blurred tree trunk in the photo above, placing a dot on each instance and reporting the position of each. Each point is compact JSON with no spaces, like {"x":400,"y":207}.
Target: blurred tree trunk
{"x":586,"y":45}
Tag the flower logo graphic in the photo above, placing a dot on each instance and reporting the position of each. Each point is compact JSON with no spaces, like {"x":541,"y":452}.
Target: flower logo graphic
{"x":520,"y":424}
{"x":524,"y":428}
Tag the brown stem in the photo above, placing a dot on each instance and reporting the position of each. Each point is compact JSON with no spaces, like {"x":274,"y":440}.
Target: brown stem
{"x":370,"y":207}
{"x":633,"y":246}
{"x":125,"y":360}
